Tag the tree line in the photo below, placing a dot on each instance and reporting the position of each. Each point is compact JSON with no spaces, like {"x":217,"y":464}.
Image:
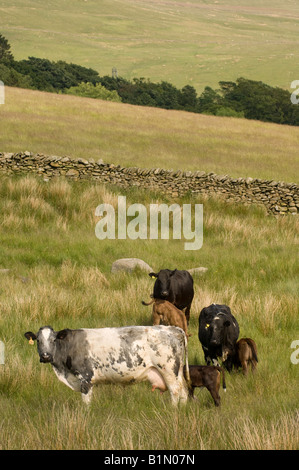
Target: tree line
{"x":244,"y":98}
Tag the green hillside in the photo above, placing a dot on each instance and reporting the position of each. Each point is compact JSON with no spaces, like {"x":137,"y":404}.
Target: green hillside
{"x":196,"y":43}
{"x":148,"y":137}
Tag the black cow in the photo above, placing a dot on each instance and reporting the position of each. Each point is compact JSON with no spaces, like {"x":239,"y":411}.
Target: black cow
{"x":218,"y":331}
{"x":176,"y":287}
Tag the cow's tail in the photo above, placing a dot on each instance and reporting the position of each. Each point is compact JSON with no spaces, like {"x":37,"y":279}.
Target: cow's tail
{"x":186,"y":362}
{"x":151,"y":302}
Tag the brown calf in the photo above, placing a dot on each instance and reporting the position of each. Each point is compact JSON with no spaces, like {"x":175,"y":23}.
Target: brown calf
{"x":246,"y":353}
{"x":168,"y":314}
{"x":209,"y":377}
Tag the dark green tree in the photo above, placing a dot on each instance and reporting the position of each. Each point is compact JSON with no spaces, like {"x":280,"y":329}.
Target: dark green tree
{"x":6,"y":56}
{"x":188,"y":98}
{"x":209,"y":101}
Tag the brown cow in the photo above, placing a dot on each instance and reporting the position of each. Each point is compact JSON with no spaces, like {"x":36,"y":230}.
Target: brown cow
{"x":246,"y":353}
{"x":209,"y":377}
{"x":168,"y":314}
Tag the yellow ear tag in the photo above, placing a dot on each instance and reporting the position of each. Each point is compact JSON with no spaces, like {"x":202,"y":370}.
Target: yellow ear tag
{"x":153,"y":277}
{"x":31,"y":341}
{"x":207,"y":326}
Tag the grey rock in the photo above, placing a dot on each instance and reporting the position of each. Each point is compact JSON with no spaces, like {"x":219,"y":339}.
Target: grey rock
{"x":200,"y":270}
{"x":129,"y":264}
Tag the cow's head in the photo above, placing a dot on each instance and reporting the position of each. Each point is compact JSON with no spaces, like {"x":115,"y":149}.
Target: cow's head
{"x":162,"y":284}
{"x":46,"y":342}
{"x":217,"y":330}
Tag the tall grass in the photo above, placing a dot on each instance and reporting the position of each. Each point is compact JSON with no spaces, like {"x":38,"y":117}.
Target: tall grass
{"x":59,"y":275}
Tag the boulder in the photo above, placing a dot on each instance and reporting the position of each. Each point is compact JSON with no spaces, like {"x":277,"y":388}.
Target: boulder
{"x":200,"y":270}
{"x":129,"y":264}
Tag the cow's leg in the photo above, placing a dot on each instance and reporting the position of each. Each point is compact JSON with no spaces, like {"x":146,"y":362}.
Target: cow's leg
{"x":215,"y":362}
{"x":228,"y":364}
{"x":155,"y":316}
{"x":86,"y":396}
{"x":215,"y":396}
{"x":244,"y":367}
{"x":207,"y":356}
{"x":178,"y":394}
{"x":86,"y":392}
{"x":214,"y":390}
{"x":177,"y":388}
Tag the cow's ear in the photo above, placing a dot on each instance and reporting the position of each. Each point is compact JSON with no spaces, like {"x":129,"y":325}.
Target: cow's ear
{"x":226,"y":323}
{"x":173,"y":272}
{"x":30,"y":336}
{"x":153,"y":275}
{"x":61,"y":334}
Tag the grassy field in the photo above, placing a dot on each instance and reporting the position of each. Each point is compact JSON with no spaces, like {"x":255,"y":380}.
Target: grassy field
{"x":53,"y":269}
{"x":60,"y":276}
{"x":131,"y":135}
{"x":196,"y":43}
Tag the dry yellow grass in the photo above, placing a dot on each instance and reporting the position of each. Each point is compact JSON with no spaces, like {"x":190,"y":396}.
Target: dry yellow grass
{"x":138,"y":136}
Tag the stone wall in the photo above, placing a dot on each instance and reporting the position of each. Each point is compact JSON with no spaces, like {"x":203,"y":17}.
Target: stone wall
{"x":276,"y":197}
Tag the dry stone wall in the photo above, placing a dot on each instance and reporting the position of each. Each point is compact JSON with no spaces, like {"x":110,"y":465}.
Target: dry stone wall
{"x":276,"y":196}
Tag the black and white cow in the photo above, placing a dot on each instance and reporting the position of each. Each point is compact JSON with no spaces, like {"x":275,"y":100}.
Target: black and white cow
{"x":85,"y":357}
{"x":218,"y":331}
{"x":175,"y":286}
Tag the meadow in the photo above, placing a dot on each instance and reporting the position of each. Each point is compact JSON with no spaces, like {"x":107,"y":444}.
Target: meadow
{"x":148,"y":137}
{"x":59,"y":275}
{"x":195,"y":43}
{"x":53,"y":269}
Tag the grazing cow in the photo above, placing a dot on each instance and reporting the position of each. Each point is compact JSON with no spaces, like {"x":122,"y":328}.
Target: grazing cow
{"x":218,"y":332}
{"x":168,"y":314}
{"x":176,"y":287}
{"x":209,"y":377}
{"x":246,"y":353}
{"x":85,"y":357}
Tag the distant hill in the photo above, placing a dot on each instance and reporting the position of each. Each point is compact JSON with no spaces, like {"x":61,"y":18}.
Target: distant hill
{"x":196,"y":43}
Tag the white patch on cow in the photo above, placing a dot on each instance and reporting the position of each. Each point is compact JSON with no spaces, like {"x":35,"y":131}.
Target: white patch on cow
{"x":46,"y":332}
{"x":86,"y":397}
{"x":224,"y":355}
{"x":215,"y":362}
{"x":136,"y":354}
{"x":71,"y":381}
